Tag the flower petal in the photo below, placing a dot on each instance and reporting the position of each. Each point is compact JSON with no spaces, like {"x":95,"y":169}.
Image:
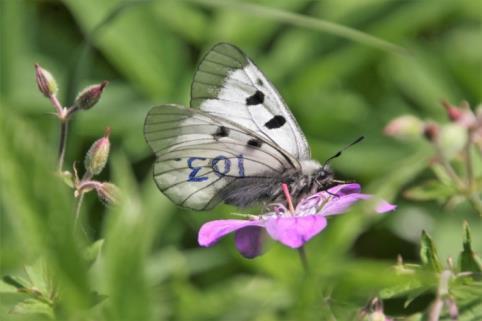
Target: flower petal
{"x":345,"y":189}
{"x":384,"y":206}
{"x":338,"y":205}
{"x":212,"y":231}
{"x":295,"y":231}
{"x":249,"y":241}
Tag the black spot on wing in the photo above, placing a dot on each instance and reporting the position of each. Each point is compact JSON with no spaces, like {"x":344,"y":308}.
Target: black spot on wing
{"x":256,"y":99}
{"x":221,"y":131}
{"x":254,"y":142}
{"x":259,"y":82}
{"x":275,"y":122}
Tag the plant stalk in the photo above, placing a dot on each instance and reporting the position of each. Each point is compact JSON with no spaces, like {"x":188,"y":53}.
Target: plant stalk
{"x":303,"y":259}
{"x":64,"y":128}
{"x":77,"y":209}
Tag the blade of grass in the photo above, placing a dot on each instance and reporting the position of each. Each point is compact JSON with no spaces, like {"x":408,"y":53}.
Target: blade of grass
{"x":305,"y":22}
{"x":81,"y":65}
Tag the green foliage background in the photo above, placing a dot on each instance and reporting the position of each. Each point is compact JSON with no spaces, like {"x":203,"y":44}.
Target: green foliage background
{"x":150,"y":267}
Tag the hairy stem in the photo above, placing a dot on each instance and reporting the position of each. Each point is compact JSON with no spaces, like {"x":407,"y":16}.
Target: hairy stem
{"x":64,"y":128}
{"x":468,"y":162}
{"x":58,"y":107}
{"x":77,"y":209}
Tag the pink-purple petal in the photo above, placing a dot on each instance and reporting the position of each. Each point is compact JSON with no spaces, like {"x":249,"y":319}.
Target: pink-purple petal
{"x":339,"y":205}
{"x":294,"y":231}
{"x":345,"y":189}
{"x":212,"y":231}
{"x":384,"y":206}
{"x":249,"y":241}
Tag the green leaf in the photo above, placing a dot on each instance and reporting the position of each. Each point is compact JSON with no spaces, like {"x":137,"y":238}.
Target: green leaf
{"x":32,"y":306}
{"x":428,"y":253}
{"x":92,"y":251}
{"x":430,"y":190}
{"x":38,"y":275}
{"x":17,"y":282}
{"x":468,"y":260}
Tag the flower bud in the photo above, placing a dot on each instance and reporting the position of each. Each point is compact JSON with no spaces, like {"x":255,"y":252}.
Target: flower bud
{"x":431,"y":131}
{"x":453,"y":309}
{"x":404,"y":127}
{"x":108,"y":193}
{"x":45,"y":81}
{"x":68,"y":178}
{"x":97,"y":156}
{"x":453,"y":112}
{"x":88,"y":97}
{"x":462,"y":115}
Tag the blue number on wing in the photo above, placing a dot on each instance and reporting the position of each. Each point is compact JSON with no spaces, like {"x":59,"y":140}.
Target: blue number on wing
{"x":240,"y":165}
{"x":195,"y":169}
{"x":226,"y":167}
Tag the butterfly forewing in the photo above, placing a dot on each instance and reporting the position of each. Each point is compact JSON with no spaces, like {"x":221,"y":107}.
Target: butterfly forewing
{"x":199,"y":154}
{"x":229,"y":85}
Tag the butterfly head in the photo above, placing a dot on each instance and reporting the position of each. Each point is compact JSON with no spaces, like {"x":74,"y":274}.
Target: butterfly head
{"x":324,"y":174}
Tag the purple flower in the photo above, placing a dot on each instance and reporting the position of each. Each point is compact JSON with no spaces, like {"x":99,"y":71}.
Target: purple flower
{"x":291,"y":229}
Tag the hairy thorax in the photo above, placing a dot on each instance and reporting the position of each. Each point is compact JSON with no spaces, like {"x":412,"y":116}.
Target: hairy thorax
{"x":310,"y":178}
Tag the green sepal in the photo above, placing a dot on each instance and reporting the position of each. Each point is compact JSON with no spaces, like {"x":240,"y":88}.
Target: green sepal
{"x":428,"y":253}
{"x":17,"y":282}
{"x":468,"y":260}
{"x":32,"y":306}
{"x":92,"y":252}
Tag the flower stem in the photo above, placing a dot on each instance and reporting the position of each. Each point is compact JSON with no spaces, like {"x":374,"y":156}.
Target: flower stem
{"x":57,"y":105}
{"x":468,"y":162}
{"x":448,"y":168}
{"x":64,"y":128}
{"x":466,"y":189}
{"x":77,"y":210}
{"x":303,"y":259}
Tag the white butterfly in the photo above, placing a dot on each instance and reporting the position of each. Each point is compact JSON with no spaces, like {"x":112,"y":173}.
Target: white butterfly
{"x":236,"y":144}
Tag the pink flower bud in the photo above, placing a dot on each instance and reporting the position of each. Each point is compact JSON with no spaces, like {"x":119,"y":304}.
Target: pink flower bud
{"x":404,"y":127}
{"x":88,"y":97}
{"x":431,"y":131}
{"x":453,"y":112}
{"x":453,"y":309}
{"x":462,"y":115}
{"x":97,"y":156}
{"x":45,"y":81}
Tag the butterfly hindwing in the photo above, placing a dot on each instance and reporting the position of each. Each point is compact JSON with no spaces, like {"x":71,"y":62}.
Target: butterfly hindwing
{"x":199,"y":155}
{"x":229,"y":85}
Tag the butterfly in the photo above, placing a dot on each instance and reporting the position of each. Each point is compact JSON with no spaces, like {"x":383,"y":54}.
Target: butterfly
{"x":237,"y":143}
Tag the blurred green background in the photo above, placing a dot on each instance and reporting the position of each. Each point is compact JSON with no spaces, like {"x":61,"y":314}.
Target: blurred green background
{"x":150,"y":266}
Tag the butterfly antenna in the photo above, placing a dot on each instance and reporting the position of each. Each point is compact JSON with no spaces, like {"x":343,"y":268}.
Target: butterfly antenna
{"x":359,"y":139}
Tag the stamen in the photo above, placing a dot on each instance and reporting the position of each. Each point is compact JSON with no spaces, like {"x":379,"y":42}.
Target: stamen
{"x":278,"y":208}
{"x":286,"y":191}
{"x":248,"y":216}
